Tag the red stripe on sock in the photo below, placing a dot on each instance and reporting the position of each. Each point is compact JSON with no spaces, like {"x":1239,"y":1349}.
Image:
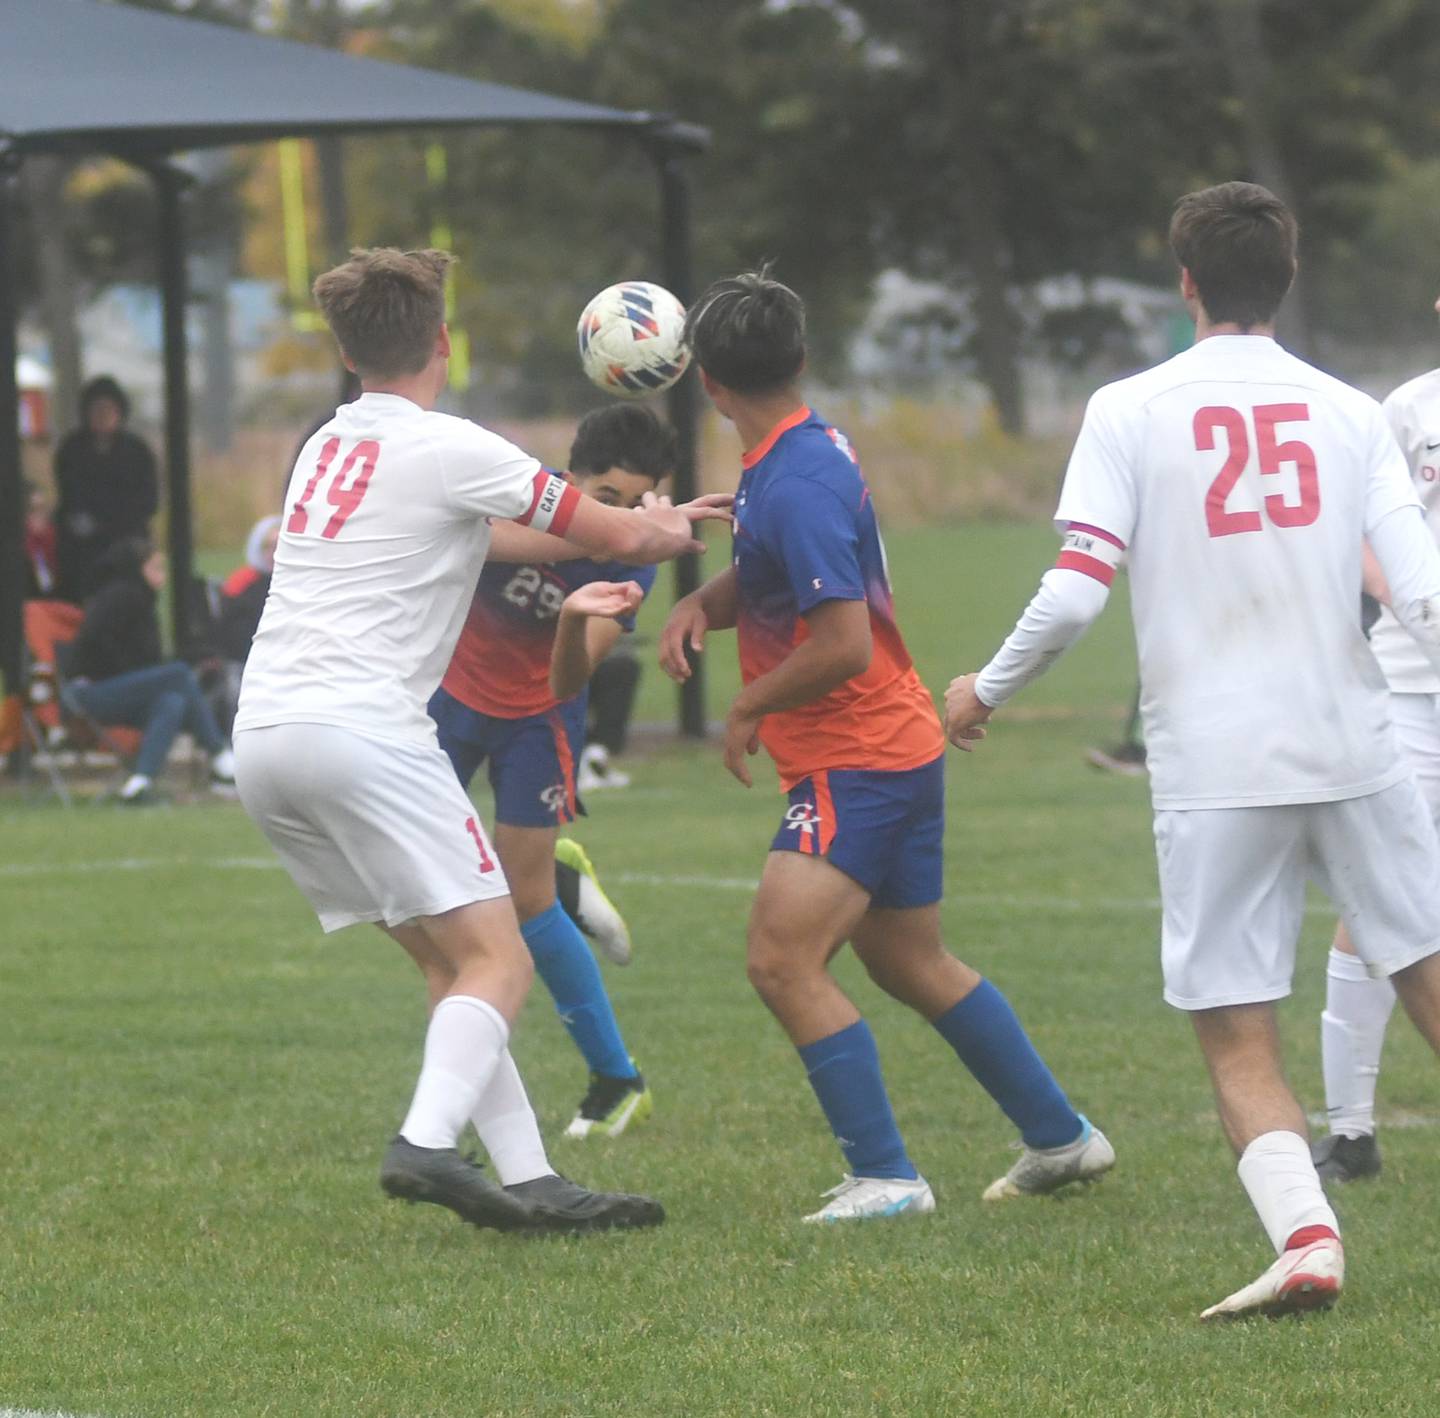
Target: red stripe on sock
{"x":1308,"y":1235}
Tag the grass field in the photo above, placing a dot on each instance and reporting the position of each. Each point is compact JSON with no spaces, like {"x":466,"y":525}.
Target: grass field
{"x":198,"y":1086}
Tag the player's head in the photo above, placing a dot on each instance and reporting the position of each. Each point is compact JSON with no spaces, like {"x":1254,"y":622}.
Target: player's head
{"x":387,"y":310}
{"x":747,"y":334}
{"x":619,"y":454}
{"x":1236,"y":243}
{"x":104,"y":406}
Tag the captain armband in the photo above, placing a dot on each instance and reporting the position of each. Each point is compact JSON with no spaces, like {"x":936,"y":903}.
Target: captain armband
{"x":1091,"y":551}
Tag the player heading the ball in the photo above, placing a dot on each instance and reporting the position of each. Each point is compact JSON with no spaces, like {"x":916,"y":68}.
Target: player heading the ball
{"x":388,"y":517}
{"x":832,"y":695}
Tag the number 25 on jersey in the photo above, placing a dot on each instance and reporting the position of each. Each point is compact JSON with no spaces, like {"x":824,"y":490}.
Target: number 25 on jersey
{"x":343,"y":496}
{"x":1272,"y":454}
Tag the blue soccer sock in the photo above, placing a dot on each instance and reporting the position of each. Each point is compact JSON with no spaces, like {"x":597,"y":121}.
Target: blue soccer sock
{"x":564,"y":962}
{"x":994,"y":1046}
{"x":844,"y":1071}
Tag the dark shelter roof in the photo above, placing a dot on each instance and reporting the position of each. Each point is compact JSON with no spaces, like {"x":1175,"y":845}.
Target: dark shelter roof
{"x":80,"y":75}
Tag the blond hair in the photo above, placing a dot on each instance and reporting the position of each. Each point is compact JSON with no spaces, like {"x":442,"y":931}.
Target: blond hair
{"x":386,"y":307}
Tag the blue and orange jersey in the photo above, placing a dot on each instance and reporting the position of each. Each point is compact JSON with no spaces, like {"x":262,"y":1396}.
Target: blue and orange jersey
{"x":501,"y":664}
{"x":805,"y":532}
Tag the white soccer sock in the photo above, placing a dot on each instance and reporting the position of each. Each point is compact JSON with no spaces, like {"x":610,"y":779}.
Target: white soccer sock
{"x":508,"y":1128}
{"x":463,"y":1045}
{"x":1352,"y":1034}
{"x":1277,"y":1172}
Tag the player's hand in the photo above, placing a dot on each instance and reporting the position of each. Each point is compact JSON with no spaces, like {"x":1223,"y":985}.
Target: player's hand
{"x":742,"y":741}
{"x":606,"y":598}
{"x":685,"y":628}
{"x":965,"y":712}
{"x":710,"y":507}
{"x":679,"y":527}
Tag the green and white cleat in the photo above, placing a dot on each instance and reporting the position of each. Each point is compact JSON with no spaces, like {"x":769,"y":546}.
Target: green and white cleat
{"x":1040,"y":1171}
{"x":583,"y":897}
{"x":872,"y":1198}
{"x":610,"y":1106}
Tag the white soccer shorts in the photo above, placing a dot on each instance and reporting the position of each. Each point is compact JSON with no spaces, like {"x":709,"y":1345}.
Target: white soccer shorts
{"x":1232,"y":885}
{"x":369,"y":829}
{"x":1417,"y":735}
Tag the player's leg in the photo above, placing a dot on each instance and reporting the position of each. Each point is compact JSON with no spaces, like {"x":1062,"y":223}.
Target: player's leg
{"x":1265,"y":1126}
{"x":506,"y":1125}
{"x":903,"y":953}
{"x":1358,"y":1004}
{"x":532,"y":773}
{"x":1232,"y":884}
{"x":804,"y":910}
{"x":1352,"y":1035}
{"x":617,"y":1095}
{"x":1379,"y":858}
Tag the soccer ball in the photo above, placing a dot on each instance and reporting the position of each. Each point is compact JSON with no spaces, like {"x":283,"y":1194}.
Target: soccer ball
{"x":631,"y":339}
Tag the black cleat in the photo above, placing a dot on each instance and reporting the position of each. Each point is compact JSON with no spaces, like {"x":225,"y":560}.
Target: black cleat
{"x":558,"y":1204}
{"x":442,"y":1175}
{"x":1338,"y":1158}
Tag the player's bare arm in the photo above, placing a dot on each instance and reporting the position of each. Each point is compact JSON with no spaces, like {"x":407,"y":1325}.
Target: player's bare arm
{"x":837,"y":648}
{"x":523,"y":546}
{"x":711,"y":607}
{"x":655,"y":531}
{"x":1373,"y":581}
{"x":586,"y":631}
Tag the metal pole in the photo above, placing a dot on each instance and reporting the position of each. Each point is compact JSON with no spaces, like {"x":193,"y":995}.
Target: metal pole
{"x":12,"y":503}
{"x":169,"y":187}
{"x":683,"y":404}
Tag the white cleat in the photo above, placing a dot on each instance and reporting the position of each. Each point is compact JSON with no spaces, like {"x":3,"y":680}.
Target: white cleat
{"x":866,"y":1198}
{"x":1307,"y":1278}
{"x":1040,"y":1171}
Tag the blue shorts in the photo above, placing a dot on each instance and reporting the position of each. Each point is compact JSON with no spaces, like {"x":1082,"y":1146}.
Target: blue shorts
{"x":531,"y":759}
{"x":886,"y":830}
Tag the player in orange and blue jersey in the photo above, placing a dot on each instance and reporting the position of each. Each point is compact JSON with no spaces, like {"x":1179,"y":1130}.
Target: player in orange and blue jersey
{"x":832,"y":695}
{"x":514,"y":697}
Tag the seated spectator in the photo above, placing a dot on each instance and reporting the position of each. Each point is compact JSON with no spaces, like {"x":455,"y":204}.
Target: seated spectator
{"x":108,"y":490}
{"x":115,"y":673}
{"x":243,"y":592}
{"x":40,"y":561}
{"x":237,"y":608}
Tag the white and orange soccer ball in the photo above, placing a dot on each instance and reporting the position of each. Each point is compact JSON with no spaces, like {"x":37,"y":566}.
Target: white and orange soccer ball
{"x":632,"y":339}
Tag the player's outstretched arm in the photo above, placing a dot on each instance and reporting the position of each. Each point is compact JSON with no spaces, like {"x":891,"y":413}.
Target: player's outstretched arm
{"x":523,"y":546}
{"x":837,"y":648}
{"x":711,"y":607}
{"x":1062,"y":610}
{"x":587,"y":630}
{"x":657,"y":530}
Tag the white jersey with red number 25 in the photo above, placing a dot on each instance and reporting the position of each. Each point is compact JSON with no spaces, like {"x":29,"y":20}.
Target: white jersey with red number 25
{"x":1243,"y":482}
{"x":383,"y":535}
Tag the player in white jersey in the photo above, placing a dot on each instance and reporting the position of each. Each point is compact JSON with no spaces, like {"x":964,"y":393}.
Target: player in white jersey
{"x":388,"y":519}
{"x":1357,"y":1004}
{"x":1240,"y":482}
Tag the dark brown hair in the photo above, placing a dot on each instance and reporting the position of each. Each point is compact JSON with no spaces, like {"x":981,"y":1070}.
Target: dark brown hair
{"x":1238,"y":242}
{"x":386,"y":307}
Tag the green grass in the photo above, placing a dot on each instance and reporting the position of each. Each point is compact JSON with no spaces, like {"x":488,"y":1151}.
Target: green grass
{"x":198,"y":1086}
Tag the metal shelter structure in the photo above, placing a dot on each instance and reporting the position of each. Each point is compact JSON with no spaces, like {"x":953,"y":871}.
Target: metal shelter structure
{"x":86,"y":77}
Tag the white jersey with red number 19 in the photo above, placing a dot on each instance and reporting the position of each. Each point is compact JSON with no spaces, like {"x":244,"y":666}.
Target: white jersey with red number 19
{"x":385,"y":529}
{"x":1243,"y":482}
{"x":1414,"y":414}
